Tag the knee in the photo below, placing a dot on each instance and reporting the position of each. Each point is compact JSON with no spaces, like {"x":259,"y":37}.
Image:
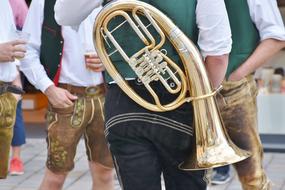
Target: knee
{"x":53,"y":180}
{"x":255,"y":182}
{"x":102,"y":173}
{"x":57,"y":179}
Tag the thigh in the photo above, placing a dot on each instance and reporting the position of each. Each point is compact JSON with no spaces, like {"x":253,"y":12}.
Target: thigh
{"x":173,"y":150}
{"x":95,"y":141}
{"x":240,"y":117}
{"x":176,"y":179}
{"x":7,"y":119}
{"x":135,"y":158}
{"x":62,"y":139}
{"x":8,"y":105}
{"x":239,"y":114}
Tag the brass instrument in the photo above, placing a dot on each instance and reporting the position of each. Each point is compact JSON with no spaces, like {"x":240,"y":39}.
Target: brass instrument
{"x":151,"y":63}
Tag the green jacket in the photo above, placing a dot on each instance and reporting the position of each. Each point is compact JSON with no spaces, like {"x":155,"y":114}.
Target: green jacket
{"x":51,"y":42}
{"x":244,"y":33}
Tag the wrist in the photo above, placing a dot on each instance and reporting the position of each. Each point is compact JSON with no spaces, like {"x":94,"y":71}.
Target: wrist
{"x":49,"y":90}
{"x":236,"y":75}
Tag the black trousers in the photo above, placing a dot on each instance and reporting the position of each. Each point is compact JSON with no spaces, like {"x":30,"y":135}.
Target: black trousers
{"x":146,"y":145}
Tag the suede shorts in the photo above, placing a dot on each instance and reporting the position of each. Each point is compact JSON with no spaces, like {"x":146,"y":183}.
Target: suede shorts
{"x":8,"y":104}
{"x":65,"y":128}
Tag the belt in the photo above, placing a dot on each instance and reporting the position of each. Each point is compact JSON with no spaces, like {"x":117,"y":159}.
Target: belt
{"x":8,"y":87}
{"x":87,"y":91}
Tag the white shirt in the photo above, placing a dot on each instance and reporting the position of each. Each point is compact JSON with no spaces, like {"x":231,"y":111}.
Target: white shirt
{"x":212,"y":21}
{"x":267,"y":18}
{"x":73,"y":69}
{"x":8,"y":70}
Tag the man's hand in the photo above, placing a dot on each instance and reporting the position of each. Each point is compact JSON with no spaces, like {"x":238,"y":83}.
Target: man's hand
{"x":236,"y":76}
{"x":94,"y":63}
{"x":11,"y":50}
{"x":59,"y":98}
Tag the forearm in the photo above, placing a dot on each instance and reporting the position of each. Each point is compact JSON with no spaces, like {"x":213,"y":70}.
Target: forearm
{"x":266,"y":49}
{"x":36,"y":74}
{"x":216,"y":67}
{"x":30,"y":64}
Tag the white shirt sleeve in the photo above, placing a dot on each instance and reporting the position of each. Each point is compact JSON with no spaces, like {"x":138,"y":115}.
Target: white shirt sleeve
{"x":214,"y":28}
{"x":30,"y":64}
{"x":73,"y":12}
{"x":266,"y":16}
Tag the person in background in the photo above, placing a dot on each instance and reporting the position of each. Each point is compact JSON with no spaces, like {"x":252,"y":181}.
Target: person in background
{"x":20,"y":10}
{"x":56,"y":65}
{"x":9,"y":82}
{"x":258,"y":34}
{"x":147,"y":144}
{"x":279,"y":71}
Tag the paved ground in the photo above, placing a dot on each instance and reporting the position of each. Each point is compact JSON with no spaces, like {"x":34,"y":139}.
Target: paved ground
{"x":34,"y":155}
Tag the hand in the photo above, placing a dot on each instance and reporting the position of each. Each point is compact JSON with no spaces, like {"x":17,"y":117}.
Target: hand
{"x":59,"y":98}
{"x":94,"y":63}
{"x":235,"y":76}
{"x":11,"y":50}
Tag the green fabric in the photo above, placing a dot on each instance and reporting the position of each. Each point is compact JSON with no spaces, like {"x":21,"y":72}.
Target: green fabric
{"x":51,"y":41}
{"x":244,"y":33}
{"x":181,"y":12}
{"x":8,"y":107}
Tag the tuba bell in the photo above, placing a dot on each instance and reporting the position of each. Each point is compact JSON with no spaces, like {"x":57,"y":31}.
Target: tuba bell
{"x":151,"y":63}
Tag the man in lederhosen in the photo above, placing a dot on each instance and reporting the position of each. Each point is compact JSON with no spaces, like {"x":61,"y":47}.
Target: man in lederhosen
{"x":9,"y":78}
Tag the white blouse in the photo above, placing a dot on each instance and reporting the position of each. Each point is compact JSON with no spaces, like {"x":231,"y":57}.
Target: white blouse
{"x":8,"y":70}
{"x":73,"y":69}
{"x":267,"y":18}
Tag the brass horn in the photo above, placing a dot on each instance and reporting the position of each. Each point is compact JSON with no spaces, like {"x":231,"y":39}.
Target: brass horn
{"x":151,"y":63}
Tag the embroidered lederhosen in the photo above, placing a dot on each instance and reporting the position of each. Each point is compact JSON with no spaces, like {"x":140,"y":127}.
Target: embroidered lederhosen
{"x":8,"y":105}
{"x":67,"y":125}
{"x":237,"y":103}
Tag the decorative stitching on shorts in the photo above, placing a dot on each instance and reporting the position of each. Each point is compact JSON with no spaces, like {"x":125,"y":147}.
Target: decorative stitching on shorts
{"x":87,"y":145}
{"x":149,"y":118}
{"x":118,"y":172}
{"x":92,"y":111}
{"x":101,"y":107}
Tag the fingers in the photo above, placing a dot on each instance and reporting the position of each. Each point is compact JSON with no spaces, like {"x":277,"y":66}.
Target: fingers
{"x":95,"y":67}
{"x":18,"y":55}
{"x":64,"y":103}
{"x":59,"y":98}
{"x":19,"y":51}
{"x":94,"y":60}
{"x":71,"y":96}
{"x":18,"y":42}
{"x":91,"y":56}
{"x":20,"y":48}
{"x":68,"y":99}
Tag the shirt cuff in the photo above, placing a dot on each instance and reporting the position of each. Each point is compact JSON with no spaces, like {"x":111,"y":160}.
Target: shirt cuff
{"x":216,"y":52}
{"x":273,"y":33}
{"x":43,"y":84}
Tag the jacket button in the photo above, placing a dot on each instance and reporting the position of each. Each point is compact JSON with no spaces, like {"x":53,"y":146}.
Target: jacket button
{"x":60,"y":53}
